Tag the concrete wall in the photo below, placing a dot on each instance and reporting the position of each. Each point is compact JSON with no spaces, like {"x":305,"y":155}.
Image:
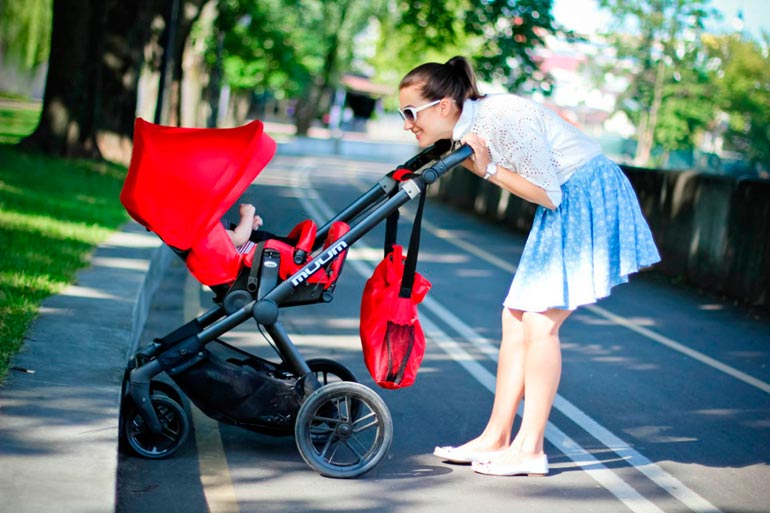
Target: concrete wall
{"x":712,"y":231}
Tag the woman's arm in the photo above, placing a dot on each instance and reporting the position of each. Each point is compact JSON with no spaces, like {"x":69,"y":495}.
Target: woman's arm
{"x":504,"y":178}
{"x":521,"y":187}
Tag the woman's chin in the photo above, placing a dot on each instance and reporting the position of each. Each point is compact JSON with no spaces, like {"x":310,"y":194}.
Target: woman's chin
{"x":423,"y":142}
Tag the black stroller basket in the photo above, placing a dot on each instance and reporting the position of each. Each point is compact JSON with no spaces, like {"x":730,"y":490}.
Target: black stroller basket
{"x":294,"y":396}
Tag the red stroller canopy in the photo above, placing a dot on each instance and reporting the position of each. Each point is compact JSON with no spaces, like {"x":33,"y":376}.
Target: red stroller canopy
{"x":181,"y":181}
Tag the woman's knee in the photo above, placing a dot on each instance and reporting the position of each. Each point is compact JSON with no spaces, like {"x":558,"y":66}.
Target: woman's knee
{"x":543,"y":325}
{"x":513,"y":326}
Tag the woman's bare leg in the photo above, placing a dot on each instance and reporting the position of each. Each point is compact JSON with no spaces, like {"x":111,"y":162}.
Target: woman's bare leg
{"x":509,"y":386}
{"x":542,"y":373}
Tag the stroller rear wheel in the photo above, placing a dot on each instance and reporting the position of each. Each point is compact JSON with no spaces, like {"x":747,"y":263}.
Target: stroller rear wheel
{"x":329,"y":371}
{"x":343,"y":430}
{"x":174,"y":423}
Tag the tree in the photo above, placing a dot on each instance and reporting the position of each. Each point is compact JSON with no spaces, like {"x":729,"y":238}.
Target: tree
{"x":741,"y":71}
{"x":501,"y":37}
{"x":299,"y":48}
{"x":168,"y":49}
{"x":661,"y":40}
{"x":507,"y":35}
{"x":25,"y":31}
{"x":96,"y":57}
{"x":296,"y":48}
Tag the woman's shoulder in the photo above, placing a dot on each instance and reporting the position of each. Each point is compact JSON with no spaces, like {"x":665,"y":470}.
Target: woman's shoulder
{"x":496,"y":99}
{"x":506,"y":109}
{"x":502,"y":103}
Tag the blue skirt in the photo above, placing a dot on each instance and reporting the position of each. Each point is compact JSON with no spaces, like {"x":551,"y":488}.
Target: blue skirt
{"x":575,"y":254}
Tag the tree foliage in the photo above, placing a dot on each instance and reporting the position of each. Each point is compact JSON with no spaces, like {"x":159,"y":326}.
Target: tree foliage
{"x":300,"y":48}
{"x":660,"y":42}
{"x":507,"y":35}
{"x":296,"y":48}
{"x":25,"y":30}
{"x":741,"y":72}
{"x":501,"y":37}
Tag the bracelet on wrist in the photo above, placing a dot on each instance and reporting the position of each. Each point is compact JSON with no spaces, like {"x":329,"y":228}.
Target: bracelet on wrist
{"x":491,"y":171}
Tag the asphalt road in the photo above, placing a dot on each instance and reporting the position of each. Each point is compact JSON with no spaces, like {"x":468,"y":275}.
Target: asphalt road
{"x":664,"y":403}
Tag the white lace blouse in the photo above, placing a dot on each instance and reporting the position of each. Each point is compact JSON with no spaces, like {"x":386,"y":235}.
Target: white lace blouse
{"x":527,"y":138}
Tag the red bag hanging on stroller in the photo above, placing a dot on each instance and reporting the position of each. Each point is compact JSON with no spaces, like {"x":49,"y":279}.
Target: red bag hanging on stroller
{"x":391,"y":335}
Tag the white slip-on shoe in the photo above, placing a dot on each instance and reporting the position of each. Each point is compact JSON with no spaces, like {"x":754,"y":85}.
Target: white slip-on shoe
{"x":460,"y":455}
{"x":533,"y":467}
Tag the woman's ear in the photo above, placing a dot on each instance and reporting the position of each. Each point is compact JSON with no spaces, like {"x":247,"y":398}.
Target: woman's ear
{"x":446,"y":106}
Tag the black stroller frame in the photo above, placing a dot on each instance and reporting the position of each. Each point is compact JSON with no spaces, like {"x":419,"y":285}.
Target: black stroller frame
{"x":342,"y":428}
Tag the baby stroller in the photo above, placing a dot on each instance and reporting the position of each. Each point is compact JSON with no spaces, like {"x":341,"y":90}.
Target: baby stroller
{"x":180,"y":183}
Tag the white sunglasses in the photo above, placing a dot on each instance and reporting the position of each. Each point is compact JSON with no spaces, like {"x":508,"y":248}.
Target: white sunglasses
{"x":410,"y":113}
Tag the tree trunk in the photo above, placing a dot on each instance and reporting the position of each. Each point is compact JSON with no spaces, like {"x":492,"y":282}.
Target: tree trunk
{"x":308,"y":109}
{"x":97,"y":53}
{"x":649,"y":120}
{"x":68,"y":118}
{"x":127,"y":29}
{"x":189,"y":14}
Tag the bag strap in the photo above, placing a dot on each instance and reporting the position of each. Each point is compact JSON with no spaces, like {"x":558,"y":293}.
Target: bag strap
{"x":391,"y":230}
{"x":410,"y":266}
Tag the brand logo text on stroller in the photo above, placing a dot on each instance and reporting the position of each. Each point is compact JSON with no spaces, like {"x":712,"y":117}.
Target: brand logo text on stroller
{"x":319,"y":262}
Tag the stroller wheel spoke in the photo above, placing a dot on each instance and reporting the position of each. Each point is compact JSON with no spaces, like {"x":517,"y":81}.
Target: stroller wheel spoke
{"x":170,"y":434}
{"x":327,"y":420}
{"x":348,"y":412}
{"x":343,"y":429}
{"x":328,"y":445}
{"x":372,"y":422}
{"x":360,"y":451}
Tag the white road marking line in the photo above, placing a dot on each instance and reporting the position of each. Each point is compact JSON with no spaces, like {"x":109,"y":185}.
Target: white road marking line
{"x":593,"y":467}
{"x":677,"y":346}
{"x":318,"y":209}
{"x":215,"y":474}
{"x":602,"y":312}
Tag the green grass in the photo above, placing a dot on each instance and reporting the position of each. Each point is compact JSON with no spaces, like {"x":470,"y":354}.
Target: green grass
{"x":53,"y":212}
{"x":18,"y":118}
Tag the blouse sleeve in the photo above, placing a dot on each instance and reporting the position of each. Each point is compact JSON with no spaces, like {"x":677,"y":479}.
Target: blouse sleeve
{"x":521,"y":140}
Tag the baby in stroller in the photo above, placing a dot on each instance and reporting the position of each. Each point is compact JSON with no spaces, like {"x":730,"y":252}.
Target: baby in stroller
{"x":180,"y":184}
{"x":242,"y":232}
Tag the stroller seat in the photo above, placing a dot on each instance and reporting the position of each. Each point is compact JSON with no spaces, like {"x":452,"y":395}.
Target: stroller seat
{"x":215,"y":262}
{"x":181,"y":182}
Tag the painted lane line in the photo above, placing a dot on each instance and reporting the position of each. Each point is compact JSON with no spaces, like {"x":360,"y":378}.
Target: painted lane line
{"x":318,"y":209}
{"x":215,"y":475}
{"x":606,"y":314}
{"x":582,"y":458}
{"x":677,"y":346}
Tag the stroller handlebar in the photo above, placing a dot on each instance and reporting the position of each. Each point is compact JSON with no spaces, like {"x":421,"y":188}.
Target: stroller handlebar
{"x":444,"y":165}
{"x":427,"y":155}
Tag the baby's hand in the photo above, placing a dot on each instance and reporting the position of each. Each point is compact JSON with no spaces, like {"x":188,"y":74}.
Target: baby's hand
{"x":257,"y":223}
{"x":247,"y":210}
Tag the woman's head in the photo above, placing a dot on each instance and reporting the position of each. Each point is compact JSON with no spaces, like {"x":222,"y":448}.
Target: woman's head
{"x":455,"y":79}
{"x":432,"y":95}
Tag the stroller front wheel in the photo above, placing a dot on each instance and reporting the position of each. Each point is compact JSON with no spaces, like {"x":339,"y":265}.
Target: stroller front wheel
{"x":343,"y":430}
{"x":174,"y":423}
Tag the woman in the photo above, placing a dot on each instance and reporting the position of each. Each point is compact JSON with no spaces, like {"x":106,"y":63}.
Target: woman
{"x":588,"y":235}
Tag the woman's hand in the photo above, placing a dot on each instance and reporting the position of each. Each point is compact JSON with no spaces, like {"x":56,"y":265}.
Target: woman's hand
{"x":505,"y":179}
{"x":477,"y":163}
